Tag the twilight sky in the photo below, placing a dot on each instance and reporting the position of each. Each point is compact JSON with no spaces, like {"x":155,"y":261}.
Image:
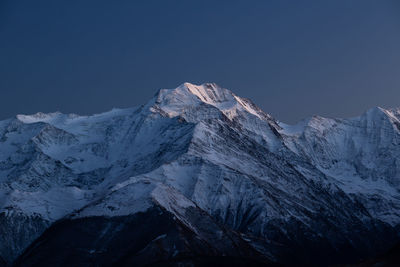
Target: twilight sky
{"x":292,"y":58}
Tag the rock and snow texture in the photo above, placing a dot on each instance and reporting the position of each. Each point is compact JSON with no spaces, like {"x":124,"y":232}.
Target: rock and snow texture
{"x":324,"y":190}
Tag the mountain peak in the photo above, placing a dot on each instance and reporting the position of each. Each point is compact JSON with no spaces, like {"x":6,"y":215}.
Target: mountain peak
{"x":188,"y":96}
{"x":209,"y":93}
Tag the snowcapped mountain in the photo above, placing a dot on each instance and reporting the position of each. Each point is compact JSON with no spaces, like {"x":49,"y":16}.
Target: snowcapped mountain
{"x":197,"y":175}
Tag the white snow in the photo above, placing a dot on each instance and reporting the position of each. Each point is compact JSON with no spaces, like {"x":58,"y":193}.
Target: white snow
{"x":133,"y":159}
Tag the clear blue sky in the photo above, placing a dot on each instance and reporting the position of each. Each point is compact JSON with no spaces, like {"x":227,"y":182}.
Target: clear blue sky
{"x":292,"y":58}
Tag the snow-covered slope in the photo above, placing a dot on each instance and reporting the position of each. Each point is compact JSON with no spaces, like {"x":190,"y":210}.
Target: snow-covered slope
{"x":324,"y":190}
{"x":361,"y":154}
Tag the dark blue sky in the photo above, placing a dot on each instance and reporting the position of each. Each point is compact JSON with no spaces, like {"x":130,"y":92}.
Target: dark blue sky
{"x":292,"y":58}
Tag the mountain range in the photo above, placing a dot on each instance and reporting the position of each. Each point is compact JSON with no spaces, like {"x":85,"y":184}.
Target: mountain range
{"x":199,"y":176}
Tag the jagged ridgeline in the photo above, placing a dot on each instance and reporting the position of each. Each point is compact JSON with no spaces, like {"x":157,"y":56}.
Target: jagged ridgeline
{"x":197,"y":176}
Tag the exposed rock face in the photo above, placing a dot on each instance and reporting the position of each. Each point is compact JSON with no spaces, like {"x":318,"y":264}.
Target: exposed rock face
{"x":197,"y":175}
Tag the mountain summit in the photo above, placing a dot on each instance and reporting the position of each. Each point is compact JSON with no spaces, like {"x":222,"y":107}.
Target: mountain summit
{"x":189,"y":96}
{"x":197,"y":176}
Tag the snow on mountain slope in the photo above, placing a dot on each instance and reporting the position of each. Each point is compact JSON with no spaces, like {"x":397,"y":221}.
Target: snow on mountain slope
{"x":361,"y":153}
{"x":175,"y":101}
{"x":281,"y":189}
{"x":196,"y":103}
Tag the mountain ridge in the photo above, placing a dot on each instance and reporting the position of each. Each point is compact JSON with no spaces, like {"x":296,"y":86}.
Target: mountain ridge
{"x":40,"y":116}
{"x":276,"y":190}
